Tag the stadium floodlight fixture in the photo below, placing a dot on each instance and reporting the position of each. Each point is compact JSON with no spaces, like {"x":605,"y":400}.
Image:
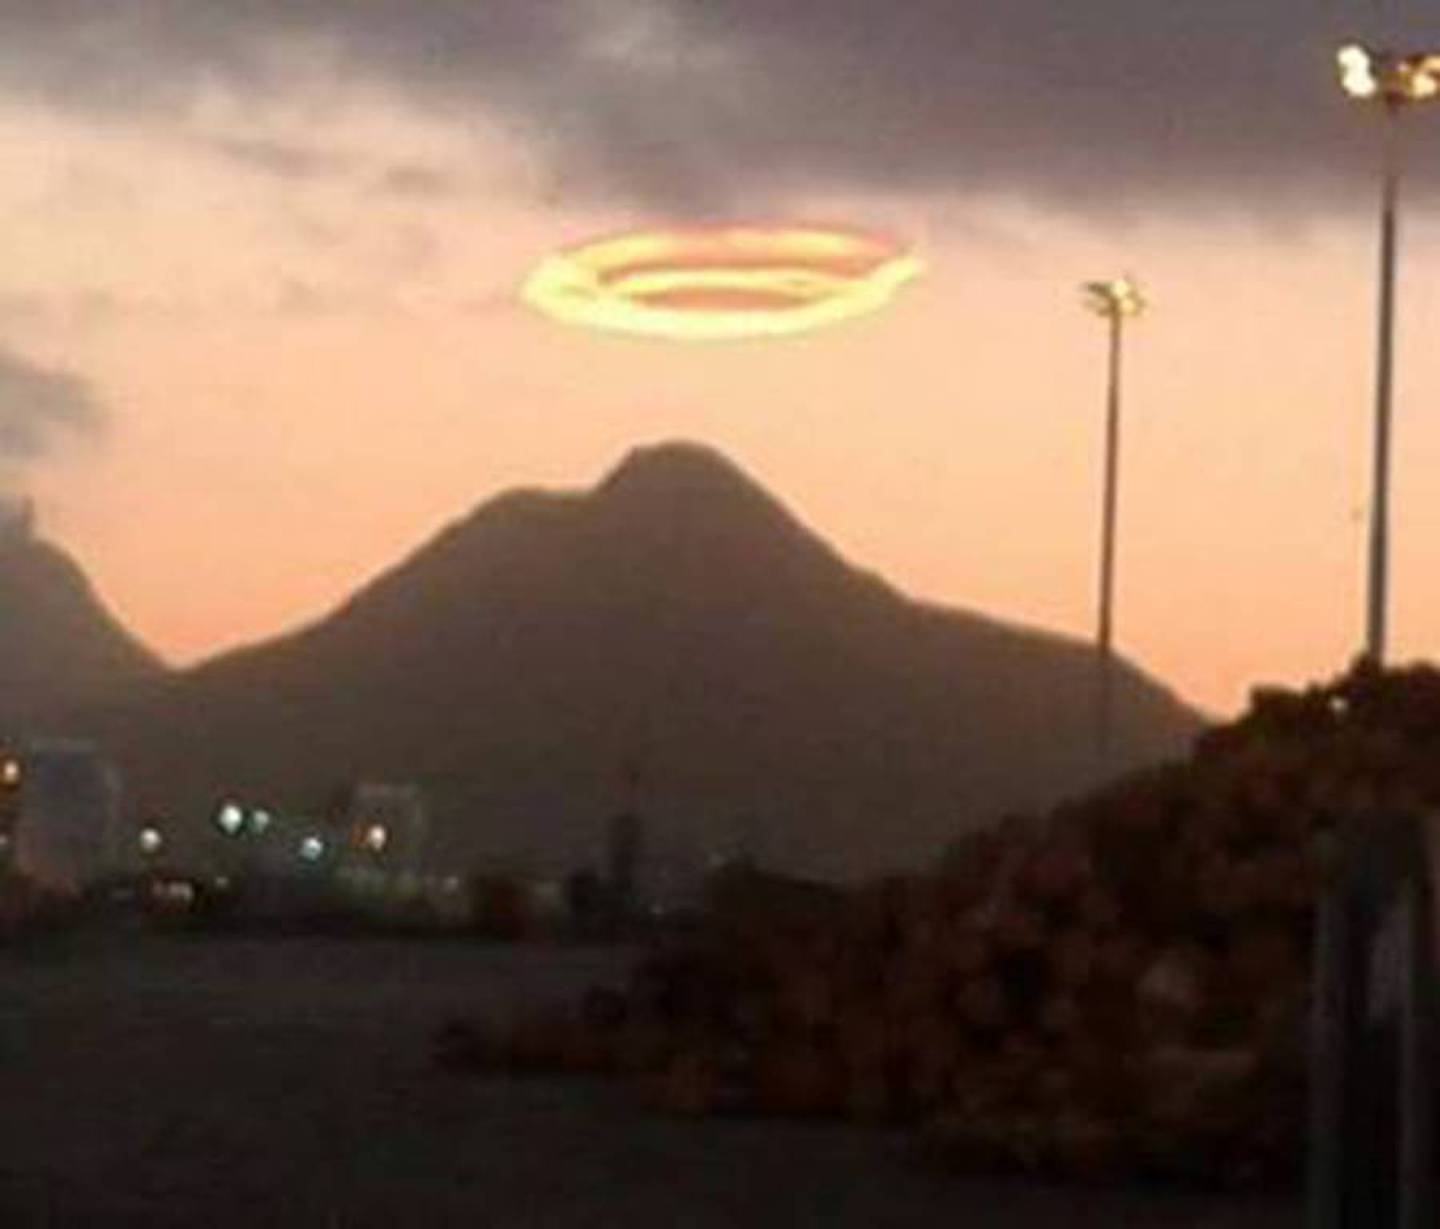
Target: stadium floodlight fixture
{"x":1388,"y":76}
{"x":1116,"y":299}
{"x":1395,"y":80}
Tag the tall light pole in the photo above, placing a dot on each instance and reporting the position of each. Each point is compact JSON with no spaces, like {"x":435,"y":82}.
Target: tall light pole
{"x":1392,"y":81}
{"x":1116,"y":301}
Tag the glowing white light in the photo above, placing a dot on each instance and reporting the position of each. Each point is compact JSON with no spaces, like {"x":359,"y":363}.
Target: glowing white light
{"x":375,"y":838}
{"x":230,"y":818}
{"x":1422,"y":76}
{"x":10,"y":772}
{"x":151,"y":840}
{"x":1357,"y":71}
{"x":312,"y":848}
{"x":260,"y":820}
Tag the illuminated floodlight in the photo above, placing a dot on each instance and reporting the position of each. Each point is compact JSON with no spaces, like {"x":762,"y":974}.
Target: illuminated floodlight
{"x":260,"y":821}
{"x":721,"y":283}
{"x":1357,"y":71}
{"x":312,"y":848}
{"x":1367,"y":73}
{"x":151,"y":840}
{"x":1396,"y":80}
{"x":1115,"y":299}
{"x":375,"y":838}
{"x":230,"y":818}
{"x":9,"y":771}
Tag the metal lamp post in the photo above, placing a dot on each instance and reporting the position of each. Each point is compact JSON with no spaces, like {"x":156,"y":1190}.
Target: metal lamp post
{"x":1116,"y":301}
{"x":1392,"y":80}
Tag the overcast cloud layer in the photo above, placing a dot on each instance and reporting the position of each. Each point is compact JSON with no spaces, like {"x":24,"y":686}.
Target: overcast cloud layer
{"x":710,"y":105}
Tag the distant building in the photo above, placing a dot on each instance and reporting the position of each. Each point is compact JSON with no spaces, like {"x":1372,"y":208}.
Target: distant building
{"x":67,"y":832}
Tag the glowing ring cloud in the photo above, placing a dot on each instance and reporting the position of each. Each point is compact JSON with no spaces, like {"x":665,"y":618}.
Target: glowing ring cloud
{"x":720,"y":283}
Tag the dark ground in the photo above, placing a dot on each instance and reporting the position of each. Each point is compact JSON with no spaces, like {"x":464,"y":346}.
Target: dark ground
{"x":163,"y":1081}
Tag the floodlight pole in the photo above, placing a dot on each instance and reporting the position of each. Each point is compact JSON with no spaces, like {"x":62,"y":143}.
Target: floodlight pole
{"x":1394,"y":80}
{"x":1104,"y":638}
{"x":1379,"y":569}
{"x":1114,"y":300}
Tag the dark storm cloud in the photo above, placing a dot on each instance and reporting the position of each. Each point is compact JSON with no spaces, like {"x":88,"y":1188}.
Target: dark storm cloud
{"x":38,"y":407}
{"x":710,"y":103}
{"x":121,"y":55}
{"x":1090,"y":102}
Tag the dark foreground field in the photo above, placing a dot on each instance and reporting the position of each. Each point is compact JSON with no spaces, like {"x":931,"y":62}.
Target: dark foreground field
{"x":163,"y":1081}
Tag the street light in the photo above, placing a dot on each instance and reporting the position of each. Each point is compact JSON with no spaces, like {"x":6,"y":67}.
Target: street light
{"x":1116,"y":301}
{"x":1393,"y":81}
{"x":230,"y":818}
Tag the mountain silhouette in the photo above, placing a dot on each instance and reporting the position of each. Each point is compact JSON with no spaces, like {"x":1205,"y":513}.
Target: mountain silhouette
{"x":673,"y":640}
{"x":59,"y":647}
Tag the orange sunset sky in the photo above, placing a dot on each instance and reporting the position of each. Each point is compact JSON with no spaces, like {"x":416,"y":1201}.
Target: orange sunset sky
{"x":273,"y":263}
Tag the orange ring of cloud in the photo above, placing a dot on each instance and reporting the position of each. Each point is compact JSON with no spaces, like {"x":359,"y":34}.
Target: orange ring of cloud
{"x":720,"y":283}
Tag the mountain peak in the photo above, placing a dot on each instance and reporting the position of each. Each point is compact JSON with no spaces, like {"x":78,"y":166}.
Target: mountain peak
{"x":678,"y":469}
